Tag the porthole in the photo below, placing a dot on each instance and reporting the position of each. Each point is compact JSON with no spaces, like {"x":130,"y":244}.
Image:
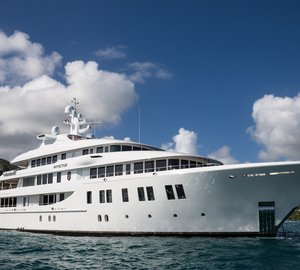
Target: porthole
{"x":149,"y":216}
{"x":41,"y":218}
{"x":99,"y":218}
{"x":54,"y":218}
{"x":175,"y":215}
{"x":126,"y":216}
{"x":202,"y":214}
{"x":106,"y":218}
{"x":49,"y":218}
{"x":69,"y":176}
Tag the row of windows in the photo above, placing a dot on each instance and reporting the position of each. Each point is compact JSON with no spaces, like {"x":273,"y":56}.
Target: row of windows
{"x":105,"y":196}
{"x":141,"y":167}
{"x":47,"y":160}
{"x":47,"y":199}
{"x":117,"y":148}
{"x":8,"y":202}
{"x":43,"y":179}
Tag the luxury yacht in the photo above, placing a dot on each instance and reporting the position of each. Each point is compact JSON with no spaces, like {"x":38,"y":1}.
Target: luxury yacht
{"x":75,"y":184}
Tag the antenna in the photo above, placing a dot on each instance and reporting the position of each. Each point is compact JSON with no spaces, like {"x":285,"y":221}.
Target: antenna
{"x":139,"y":123}
{"x":75,"y":102}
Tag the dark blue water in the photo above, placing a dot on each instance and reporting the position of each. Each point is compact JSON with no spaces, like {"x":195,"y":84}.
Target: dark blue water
{"x":21,"y":250}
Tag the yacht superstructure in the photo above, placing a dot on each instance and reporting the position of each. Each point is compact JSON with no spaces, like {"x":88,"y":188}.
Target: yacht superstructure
{"x":74,"y":184}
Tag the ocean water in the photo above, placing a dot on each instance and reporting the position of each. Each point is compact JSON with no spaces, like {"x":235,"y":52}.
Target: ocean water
{"x":21,"y":250}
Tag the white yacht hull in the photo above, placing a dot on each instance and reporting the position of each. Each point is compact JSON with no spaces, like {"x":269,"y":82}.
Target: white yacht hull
{"x":221,"y":200}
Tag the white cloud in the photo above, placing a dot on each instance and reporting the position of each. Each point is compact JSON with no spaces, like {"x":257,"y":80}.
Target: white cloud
{"x":22,"y":60}
{"x":223,"y":155}
{"x":277,"y":127}
{"x":144,"y":70}
{"x":115,"y":52}
{"x":184,"y":142}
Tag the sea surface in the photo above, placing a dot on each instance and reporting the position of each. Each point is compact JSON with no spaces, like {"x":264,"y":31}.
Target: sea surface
{"x":22,"y":250}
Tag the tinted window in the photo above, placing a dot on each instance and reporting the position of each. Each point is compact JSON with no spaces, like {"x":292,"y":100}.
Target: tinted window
{"x":141,"y":193}
{"x":58,"y":177}
{"x":38,"y":162}
{"x":43,"y":161}
{"x":69,"y":176}
{"x":128,"y":168}
{"x":85,"y":151}
{"x":161,"y":165}
{"x":173,"y":164}
{"x":149,"y":166}
{"x":102,"y":196}
{"x":192,"y":164}
{"x":63,"y":156}
{"x":54,"y":159}
{"x":125,"y":195}
{"x":138,"y":167}
{"x":100,"y":149}
{"x":48,"y":160}
{"x":108,"y":196}
{"x":101,"y":172}
{"x":89,"y":197}
{"x":28,"y":181}
{"x":115,"y":148}
{"x":180,"y":191}
{"x":61,"y":196}
{"x":110,"y":171}
{"x":150,"y":193}
{"x":50,"y":178}
{"x":170,"y":192}
{"x":44,"y":179}
{"x":119,"y":169}
{"x":93,"y":173}
{"x":184,"y":164}
{"x":39,"y":180}
{"x":136,"y":148}
{"x":32,"y":163}
{"x":126,"y":148}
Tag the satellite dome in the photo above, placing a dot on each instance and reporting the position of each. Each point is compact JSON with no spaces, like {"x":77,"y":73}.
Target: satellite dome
{"x":69,"y":109}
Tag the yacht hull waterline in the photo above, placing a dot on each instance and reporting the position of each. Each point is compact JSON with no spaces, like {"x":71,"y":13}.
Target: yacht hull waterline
{"x":78,"y":186}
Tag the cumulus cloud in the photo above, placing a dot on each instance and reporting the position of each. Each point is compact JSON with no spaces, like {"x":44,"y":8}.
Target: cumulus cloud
{"x":115,"y":52}
{"x":22,"y":60}
{"x":184,"y":142}
{"x":145,"y":70}
{"x":223,"y":155}
{"x":277,"y":127}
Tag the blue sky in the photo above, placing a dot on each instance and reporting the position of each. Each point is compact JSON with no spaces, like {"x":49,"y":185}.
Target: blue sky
{"x":210,"y":61}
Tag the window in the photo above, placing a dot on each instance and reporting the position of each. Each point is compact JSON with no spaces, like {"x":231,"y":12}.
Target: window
{"x":109,"y":171}
{"x":50,"y":178}
{"x":15,"y":202}
{"x":150,"y":193}
{"x":44,"y":161}
{"x":161,"y":165}
{"x":115,"y":148}
{"x":184,"y":164}
{"x":126,"y":148}
{"x":91,"y":151}
{"x":33,"y":163}
{"x":101,"y":172}
{"x":69,"y":175}
{"x":39,"y":180}
{"x":85,"y":151}
{"x":128,"y":168}
{"x":173,"y":164}
{"x":54,"y":159}
{"x":136,"y":148}
{"x":170,"y":192}
{"x":52,"y":198}
{"x":141,"y":193}
{"x":125,"y":195}
{"x":99,"y":149}
{"x":192,"y":164}
{"x":138,"y":167}
{"x":58,"y":177}
{"x":119,"y":170}
{"x":89,"y":197}
{"x":24,"y":201}
{"x":28,"y":181}
{"x":106,"y":149}
{"x":38,"y":162}
{"x":63,"y":156}
{"x":44,"y":179}
{"x":149,"y":166}
{"x":180,"y":191}
{"x":108,"y":196}
{"x":61,"y":196}
{"x":48,"y":160}
{"x":102,"y":196}
{"x":93,"y":173}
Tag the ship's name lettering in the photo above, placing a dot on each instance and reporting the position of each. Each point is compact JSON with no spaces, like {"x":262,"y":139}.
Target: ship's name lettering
{"x":60,"y":166}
